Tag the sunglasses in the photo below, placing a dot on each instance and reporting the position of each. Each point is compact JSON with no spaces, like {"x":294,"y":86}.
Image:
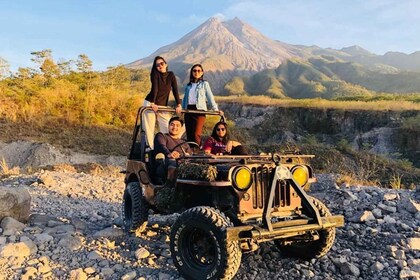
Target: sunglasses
{"x":160,"y":64}
{"x":220,"y":129}
{"x":197,"y":70}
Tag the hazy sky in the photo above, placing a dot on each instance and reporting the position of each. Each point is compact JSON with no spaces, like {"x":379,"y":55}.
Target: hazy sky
{"x":113,"y":32}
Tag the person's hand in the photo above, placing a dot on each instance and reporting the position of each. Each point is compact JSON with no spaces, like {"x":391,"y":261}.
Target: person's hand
{"x":178,"y":109}
{"x":229,"y":146}
{"x":175,"y":154}
{"x":155,"y":107}
{"x":221,"y":113}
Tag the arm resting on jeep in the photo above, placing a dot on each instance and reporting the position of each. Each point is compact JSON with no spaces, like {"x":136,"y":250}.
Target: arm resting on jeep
{"x":161,"y":145}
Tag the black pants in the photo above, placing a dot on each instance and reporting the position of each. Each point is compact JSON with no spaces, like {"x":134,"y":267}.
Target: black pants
{"x":194,"y":125}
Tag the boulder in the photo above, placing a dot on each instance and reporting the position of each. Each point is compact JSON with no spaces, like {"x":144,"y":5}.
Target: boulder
{"x":15,"y":203}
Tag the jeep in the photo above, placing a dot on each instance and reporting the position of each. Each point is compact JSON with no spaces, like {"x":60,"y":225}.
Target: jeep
{"x":228,"y":205}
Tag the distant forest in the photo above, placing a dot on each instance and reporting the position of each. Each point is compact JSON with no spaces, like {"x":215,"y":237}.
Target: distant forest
{"x":71,"y":92}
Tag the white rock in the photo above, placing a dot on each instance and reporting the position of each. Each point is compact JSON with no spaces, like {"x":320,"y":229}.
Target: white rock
{"x":70,"y":242}
{"x":389,"y":220}
{"x":19,"y":249}
{"x":77,"y":274}
{"x":10,"y":226}
{"x":89,"y":270}
{"x":142,"y":253}
{"x":129,"y":276}
{"x":94,"y":255}
{"x":41,"y":238}
{"x":414,"y":243}
{"x":15,"y":202}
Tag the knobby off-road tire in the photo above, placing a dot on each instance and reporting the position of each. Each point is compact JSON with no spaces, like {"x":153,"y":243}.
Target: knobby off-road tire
{"x":135,"y":208}
{"x":199,"y":247}
{"x":312,"y":249}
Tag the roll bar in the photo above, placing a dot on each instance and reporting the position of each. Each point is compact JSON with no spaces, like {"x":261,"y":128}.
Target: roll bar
{"x":143,"y":109}
{"x":139,"y":128}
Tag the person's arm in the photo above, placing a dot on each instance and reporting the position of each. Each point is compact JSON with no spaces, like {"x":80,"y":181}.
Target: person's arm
{"x":185,"y":98}
{"x":210,"y":97}
{"x":161,"y":145}
{"x":176,"y":94}
{"x":208,"y":145}
{"x":174,"y":85}
{"x":155,"y":87}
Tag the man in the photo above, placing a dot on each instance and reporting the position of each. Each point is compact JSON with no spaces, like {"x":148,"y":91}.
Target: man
{"x":173,"y":147}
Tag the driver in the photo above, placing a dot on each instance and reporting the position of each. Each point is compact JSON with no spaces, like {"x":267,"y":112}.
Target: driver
{"x":172,"y":146}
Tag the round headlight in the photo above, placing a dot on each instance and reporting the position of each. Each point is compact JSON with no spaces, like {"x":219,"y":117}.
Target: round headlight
{"x":300,"y":174}
{"x":242,"y":178}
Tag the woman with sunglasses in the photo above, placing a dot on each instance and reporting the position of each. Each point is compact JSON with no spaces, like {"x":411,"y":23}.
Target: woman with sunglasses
{"x":196,"y":96}
{"x":219,"y":144}
{"x":163,"y":81}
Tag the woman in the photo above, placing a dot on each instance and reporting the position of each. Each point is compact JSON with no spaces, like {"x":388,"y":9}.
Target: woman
{"x":219,"y":144}
{"x":196,"y":95}
{"x":163,"y":81}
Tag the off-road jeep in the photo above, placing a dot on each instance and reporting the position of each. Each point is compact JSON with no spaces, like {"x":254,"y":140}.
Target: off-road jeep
{"x":228,"y":205}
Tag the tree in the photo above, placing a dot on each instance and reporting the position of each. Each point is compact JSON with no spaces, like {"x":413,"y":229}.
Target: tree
{"x":41,"y":56}
{"x":65,"y":66}
{"x":84,"y":64}
{"x":4,"y":68}
{"x":48,"y":67}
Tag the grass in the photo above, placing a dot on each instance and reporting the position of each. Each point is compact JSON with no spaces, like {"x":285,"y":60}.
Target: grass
{"x":5,"y":170}
{"x":377,"y":105}
{"x":96,"y":139}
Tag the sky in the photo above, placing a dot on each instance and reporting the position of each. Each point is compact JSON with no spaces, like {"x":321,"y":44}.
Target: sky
{"x":114,"y":32}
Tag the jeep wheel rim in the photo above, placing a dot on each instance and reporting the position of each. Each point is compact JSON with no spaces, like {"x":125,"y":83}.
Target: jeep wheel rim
{"x":200,"y":247}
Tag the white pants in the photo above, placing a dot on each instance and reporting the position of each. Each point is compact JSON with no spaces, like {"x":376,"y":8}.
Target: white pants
{"x":149,"y":122}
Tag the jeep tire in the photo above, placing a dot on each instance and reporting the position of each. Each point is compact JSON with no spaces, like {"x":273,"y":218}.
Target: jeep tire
{"x":312,"y":249}
{"x":135,"y":208}
{"x":199,"y":246}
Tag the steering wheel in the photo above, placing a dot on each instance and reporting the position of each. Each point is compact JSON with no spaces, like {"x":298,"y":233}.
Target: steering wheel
{"x":182,"y":143}
{"x":276,"y":158}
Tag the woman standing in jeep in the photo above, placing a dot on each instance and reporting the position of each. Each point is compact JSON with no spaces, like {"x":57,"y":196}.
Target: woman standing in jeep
{"x":196,"y":95}
{"x":163,"y":81}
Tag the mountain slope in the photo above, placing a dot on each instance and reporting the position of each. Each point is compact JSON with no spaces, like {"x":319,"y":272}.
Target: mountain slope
{"x":324,"y":77}
{"x":225,"y":49}
{"x":232,"y":51}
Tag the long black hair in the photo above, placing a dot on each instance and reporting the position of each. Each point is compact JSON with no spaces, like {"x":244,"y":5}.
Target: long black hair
{"x":214,"y":133}
{"x":192,"y":79}
{"x":154,"y":70}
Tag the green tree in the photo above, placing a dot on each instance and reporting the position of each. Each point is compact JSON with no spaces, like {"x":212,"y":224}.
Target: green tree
{"x":235,"y":87}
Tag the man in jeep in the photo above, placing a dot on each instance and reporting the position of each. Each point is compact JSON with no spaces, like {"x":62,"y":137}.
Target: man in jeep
{"x":172,"y":147}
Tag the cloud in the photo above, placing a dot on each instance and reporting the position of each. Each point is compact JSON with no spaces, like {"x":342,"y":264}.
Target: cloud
{"x":376,"y":24}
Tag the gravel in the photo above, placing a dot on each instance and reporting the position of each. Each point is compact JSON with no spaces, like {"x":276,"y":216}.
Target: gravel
{"x":74,"y":233}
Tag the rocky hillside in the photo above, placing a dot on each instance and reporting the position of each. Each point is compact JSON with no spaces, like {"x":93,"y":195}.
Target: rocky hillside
{"x":74,"y":232}
{"x":380,"y":132}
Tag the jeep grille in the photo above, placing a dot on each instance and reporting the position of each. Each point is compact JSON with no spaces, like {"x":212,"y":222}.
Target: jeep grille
{"x":262,"y":177}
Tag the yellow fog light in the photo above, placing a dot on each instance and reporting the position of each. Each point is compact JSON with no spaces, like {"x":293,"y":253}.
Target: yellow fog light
{"x":300,"y":174}
{"x":242,"y":178}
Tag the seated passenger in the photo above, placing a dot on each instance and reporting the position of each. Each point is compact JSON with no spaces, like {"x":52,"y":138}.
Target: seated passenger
{"x":172,"y":147}
{"x":219,"y":144}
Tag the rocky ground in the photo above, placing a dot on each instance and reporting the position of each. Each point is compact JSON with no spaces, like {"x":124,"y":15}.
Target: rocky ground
{"x":74,"y":233}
